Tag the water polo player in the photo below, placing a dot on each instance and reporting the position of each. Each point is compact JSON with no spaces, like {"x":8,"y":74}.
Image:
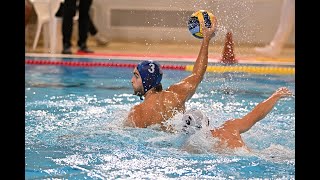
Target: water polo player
{"x":159,"y":105}
{"x":229,"y":133}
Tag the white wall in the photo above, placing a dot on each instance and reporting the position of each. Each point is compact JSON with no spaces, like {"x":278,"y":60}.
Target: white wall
{"x":250,"y":21}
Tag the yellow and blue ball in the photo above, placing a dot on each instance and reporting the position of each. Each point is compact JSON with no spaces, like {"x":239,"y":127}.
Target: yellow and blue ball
{"x":194,"y":25}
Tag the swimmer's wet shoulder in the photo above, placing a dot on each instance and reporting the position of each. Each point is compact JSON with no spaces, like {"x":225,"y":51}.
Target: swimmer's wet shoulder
{"x":156,"y":107}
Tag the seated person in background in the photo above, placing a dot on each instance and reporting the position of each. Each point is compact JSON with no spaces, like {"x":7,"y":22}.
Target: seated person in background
{"x":228,"y":133}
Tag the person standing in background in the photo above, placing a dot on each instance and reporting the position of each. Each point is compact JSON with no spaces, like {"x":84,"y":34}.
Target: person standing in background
{"x":285,"y":27}
{"x":100,"y":39}
{"x":69,"y":10}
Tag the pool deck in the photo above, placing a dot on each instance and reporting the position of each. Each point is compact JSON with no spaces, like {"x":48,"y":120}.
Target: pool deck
{"x":170,"y":52}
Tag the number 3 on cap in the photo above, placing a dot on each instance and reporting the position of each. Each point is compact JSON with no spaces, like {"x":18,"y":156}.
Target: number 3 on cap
{"x":151,"y":69}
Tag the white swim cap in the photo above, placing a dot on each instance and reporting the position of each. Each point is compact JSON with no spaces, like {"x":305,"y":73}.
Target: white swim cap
{"x":194,"y":119}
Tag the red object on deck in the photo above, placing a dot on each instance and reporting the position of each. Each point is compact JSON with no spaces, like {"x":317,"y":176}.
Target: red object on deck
{"x":228,"y":56}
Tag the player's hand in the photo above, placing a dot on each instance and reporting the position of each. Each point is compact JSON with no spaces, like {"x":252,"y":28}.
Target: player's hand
{"x":209,"y":32}
{"x":283,"y":92}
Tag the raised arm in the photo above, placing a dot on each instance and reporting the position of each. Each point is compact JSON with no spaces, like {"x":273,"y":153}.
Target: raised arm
{"x":188,"y":85}
{"x":260,"y":111}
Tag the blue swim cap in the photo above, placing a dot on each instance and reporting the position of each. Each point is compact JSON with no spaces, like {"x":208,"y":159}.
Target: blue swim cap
{"x":151,"y":74}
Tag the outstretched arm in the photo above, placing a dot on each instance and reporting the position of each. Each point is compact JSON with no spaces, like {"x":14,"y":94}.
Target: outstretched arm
{"x":188,"y":85}
{"x":260,"y":111}
{"x":201,"y":63}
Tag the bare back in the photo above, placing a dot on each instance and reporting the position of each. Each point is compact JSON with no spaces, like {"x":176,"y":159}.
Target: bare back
{"x":157,"y":108}
{"x":229,"y":136}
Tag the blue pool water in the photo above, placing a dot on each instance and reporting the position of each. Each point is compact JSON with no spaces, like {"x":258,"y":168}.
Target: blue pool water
{"x":73,"y":127}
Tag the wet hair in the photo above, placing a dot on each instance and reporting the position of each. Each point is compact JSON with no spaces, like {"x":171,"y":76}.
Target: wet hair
{"x":158,"y":87}
{"x":151,"y":75}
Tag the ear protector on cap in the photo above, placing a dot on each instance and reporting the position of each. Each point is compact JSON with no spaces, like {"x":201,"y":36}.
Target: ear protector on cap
{"x":194,"y":119}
